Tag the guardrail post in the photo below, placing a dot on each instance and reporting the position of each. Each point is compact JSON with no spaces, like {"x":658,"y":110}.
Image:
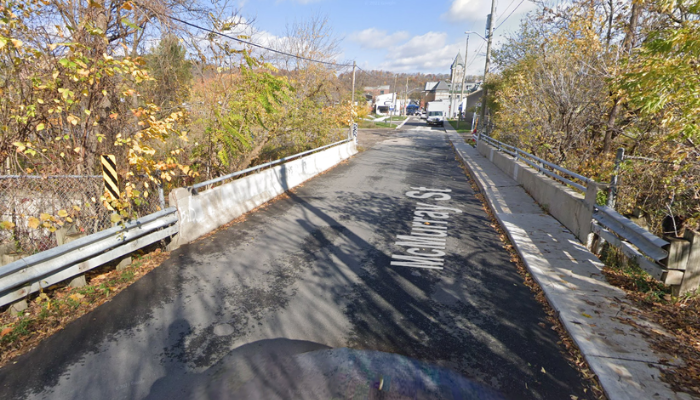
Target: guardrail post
{"x":18,"y":306}
{"x":179,"y":198}
{"x":612,"y":190}
{"x":691,"y":277}
{"x":586,"y":216}
{"x":67,"y":235}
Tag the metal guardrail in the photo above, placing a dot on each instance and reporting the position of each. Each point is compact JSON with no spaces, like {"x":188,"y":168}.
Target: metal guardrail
{"x":636,"y":243}
{"x":261,"y":166}
{"x":644,"y":240}
{"x":647,"y":250}
{"x":539,"y":164}
{"x":32,"y":273}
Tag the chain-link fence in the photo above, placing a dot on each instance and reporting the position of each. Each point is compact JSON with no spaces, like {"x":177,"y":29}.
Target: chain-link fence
{"x":38,"y":213}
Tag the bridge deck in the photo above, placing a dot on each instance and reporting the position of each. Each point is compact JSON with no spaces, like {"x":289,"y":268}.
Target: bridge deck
{"x":313,"y":270}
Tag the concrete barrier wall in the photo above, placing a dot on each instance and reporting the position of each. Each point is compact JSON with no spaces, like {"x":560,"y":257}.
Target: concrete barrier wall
{"x":203,"y":212}
{"x":569,"y":207}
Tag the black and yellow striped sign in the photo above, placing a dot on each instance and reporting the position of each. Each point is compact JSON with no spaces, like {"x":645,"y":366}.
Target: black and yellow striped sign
{"x":109,"y":173}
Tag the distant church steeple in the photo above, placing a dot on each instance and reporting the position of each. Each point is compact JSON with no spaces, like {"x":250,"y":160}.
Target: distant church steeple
{"x":457,"y":70}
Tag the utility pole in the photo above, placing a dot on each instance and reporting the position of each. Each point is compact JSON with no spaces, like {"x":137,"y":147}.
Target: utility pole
{"x":352,"y":102}
{"x":482,"y":120}
{"x":352,"y":96}
{"x":464,"y":77}
{"x":395,"y":97}
{"x":405,"y":99}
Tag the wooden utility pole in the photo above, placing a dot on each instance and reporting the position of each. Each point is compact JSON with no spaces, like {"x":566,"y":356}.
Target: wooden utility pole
{"x":394,"y":96}
{"x":482,"y":120}
{"x":352,"y":102}
{"x":405,"y":99}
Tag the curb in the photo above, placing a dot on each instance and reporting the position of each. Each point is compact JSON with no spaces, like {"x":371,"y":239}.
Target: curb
{"x":591,"y":310}
{"x":404,"y":121}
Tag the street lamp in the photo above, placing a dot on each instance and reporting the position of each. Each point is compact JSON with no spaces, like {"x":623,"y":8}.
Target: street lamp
{"x":477,"y":34}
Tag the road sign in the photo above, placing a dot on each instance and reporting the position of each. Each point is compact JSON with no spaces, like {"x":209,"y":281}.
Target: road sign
{"x":109,"y":174}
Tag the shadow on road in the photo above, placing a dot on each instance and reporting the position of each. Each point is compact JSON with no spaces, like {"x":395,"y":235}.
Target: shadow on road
{"x":309,"y":273}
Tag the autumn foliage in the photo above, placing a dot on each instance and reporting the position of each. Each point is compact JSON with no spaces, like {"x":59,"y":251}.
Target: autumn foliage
{"x":79,"y":79}
{"x":580,"y":80}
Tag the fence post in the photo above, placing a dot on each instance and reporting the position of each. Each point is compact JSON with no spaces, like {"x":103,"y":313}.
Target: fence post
{"x":612,"y":191}
{"x":585,"y":216}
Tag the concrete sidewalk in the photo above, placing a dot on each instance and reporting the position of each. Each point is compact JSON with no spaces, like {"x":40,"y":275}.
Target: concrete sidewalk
{"x":591,"y":310}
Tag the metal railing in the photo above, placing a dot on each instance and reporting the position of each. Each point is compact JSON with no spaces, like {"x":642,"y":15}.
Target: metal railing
{"x":256,"y":168}
{"x":30,"y":274}
{"x":636,"y":243}
{"x":539,"y":164}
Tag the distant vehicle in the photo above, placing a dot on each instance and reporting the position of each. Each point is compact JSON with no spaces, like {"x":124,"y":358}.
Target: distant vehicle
{"x":436,"y":118}
{"x":436,"y":112}
{"x":411,"y":109}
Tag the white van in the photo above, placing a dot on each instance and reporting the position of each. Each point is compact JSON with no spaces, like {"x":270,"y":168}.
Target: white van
{"x":437,"y":111}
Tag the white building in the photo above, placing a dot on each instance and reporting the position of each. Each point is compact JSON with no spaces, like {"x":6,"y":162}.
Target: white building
{"x":388,"y":104}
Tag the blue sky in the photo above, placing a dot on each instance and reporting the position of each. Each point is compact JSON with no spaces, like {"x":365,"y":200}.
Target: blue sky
{"x":399,"y":36}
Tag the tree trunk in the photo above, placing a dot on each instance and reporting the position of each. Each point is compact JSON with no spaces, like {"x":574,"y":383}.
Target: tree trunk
{"x":627,"y":46}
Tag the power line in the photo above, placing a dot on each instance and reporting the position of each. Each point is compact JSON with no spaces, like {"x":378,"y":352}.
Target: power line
{"x":476,"y":52}
{"x":511,"y":13}
{"x":499,"y":17}
{"x":257,"y":45}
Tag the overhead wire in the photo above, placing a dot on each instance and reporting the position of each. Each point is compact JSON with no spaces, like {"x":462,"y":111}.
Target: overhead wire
{"x":258,"y":45}
{"x":504,"y":11}
{"x":476,"y":52}
{"x":511,"y":13}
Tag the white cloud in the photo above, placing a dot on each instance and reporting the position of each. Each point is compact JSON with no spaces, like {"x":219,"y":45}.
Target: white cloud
{"x":477,"y":10}
{"x":428,"y":52}
{"x":375,"y":39}
{"x":432,"y":53}
{"x":468,"y":10}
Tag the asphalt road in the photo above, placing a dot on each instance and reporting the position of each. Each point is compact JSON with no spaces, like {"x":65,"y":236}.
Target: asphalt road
{"x":283,"y":303}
